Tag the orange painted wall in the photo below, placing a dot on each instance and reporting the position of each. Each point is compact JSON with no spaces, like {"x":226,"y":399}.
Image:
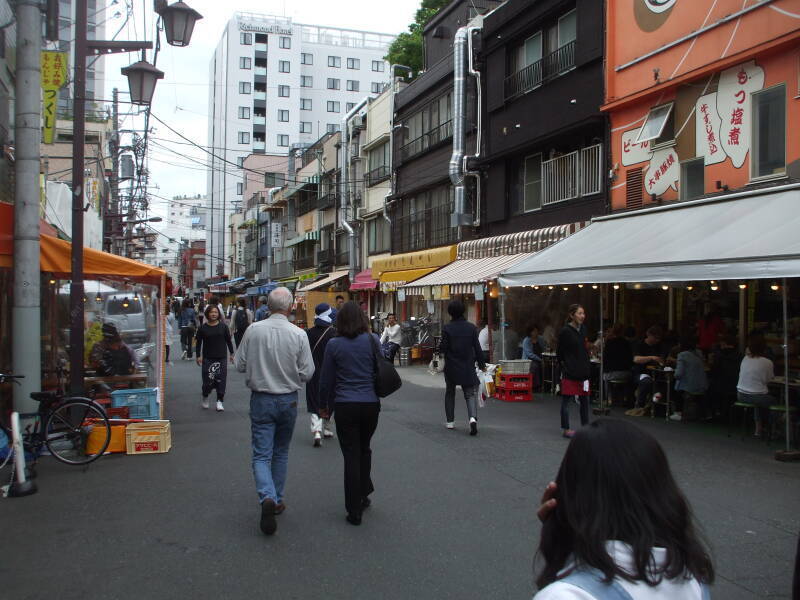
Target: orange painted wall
{"x":635,"y":28}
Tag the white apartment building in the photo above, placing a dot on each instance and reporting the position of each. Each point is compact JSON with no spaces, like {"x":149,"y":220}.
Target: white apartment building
{"x":276,"y":84}
{"x":185,"y":222}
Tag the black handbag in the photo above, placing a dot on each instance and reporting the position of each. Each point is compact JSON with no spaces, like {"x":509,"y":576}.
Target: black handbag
{"x":387,"y":379}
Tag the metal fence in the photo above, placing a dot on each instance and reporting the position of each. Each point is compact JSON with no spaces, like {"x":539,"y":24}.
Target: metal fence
{"x":535,"y":74}
{"x":579,"y":173}
{"x":424,"y":229}
{"x":427,"y":140}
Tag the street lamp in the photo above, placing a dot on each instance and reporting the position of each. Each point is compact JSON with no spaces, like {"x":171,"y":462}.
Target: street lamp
{"x":179,"y":20}
{"x":150,"y":220}
{"x":142,"y":78}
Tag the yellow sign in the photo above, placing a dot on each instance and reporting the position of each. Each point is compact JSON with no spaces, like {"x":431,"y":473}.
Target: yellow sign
{"x":424,"y":259}
{"x":53,"y":77}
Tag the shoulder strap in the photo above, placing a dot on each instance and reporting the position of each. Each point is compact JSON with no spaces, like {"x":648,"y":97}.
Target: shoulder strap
{"x":327,"y":329}
{"x":591,"y":582}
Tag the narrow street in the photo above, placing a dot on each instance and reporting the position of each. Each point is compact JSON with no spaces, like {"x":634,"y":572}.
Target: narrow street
{"x":452,"y":516}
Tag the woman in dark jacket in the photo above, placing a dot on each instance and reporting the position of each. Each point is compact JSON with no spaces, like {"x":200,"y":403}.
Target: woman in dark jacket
{"x":347,"y":389}
{"x":461,"y":351}
{"x":575,"y":367}
{"x":318,"y":337}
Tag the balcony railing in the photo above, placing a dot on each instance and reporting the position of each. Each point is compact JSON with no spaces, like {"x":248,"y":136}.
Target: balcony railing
{"x":579,"y":173}
{"x":259,"y":146}
{"x":261,"y":47}
{"x":343,"y":258}
{"x":304,"y":262}
{"x":425,"y":229}
{"x":259,"y":120}
{"x":260,"y":70}
{"x":541,"y":71}
{"x":427,"y":140}
{"x":306,"y":203}
{"x":378,"y":174}
{"x":326,"y":201}
{"x":326,"y":257}
{"x":260,"y":95}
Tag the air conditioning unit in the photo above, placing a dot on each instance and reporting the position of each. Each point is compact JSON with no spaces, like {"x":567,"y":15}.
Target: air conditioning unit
{"x":358,"y":122}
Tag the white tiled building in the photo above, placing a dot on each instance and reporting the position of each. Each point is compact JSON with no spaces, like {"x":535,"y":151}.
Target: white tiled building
{"x":275,"y":84}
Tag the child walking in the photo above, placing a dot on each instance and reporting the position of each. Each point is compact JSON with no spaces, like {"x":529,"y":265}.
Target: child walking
{"x":213,"y":346}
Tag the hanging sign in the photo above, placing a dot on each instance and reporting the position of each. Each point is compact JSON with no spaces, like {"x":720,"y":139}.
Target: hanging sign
{"x":276,"y":235}
{"x":53,"y":76}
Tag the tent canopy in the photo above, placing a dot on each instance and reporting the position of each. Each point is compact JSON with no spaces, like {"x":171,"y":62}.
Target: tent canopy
{"x":55,"y":258}
{"x":750,"y":235}
{"x":464,"y":273}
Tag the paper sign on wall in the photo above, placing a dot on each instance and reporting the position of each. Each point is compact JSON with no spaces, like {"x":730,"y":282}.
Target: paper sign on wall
{"x":707,"y":130}
{"x":53,"y":76}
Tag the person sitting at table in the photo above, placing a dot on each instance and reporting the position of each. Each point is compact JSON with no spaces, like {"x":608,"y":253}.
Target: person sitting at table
{"x":648,"y":353}
{"x":723,"y":375}
{"x":690,"y":377}
{"x":532,"y":348}
{"x":755,"y":373}
{"x":111,"y":356}
{"x":617,"y":358}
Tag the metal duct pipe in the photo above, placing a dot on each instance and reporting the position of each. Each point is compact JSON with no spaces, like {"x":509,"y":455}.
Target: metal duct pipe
{"x":459,"y":217}
{"x":344,"y":195}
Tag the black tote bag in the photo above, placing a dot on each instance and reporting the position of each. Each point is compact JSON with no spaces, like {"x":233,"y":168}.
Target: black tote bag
{"x":387,"y":379}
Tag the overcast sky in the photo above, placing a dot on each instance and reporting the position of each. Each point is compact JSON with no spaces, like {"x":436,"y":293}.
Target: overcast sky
{"x":181,"y":98}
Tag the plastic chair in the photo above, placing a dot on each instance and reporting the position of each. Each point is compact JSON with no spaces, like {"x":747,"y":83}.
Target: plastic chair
{"x":744,"y":407}
{"x":775,"y":412}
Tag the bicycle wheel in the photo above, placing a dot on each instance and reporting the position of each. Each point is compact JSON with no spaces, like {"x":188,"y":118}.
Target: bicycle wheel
{"x":67,"y":430}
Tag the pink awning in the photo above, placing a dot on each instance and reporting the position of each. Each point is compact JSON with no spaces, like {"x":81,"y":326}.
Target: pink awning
{"x":364,"y":281}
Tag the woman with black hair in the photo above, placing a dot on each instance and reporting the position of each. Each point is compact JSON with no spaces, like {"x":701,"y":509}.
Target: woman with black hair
{"x":616,"y":524}
{"x":576,"y":367}
{"x":347,"y":390}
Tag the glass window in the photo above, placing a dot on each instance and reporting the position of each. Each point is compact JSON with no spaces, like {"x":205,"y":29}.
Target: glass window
{"x":654,"y":125}
{"x":246,"y":39}
{"x":566,"y":28}
{"x":334,"y":106}
{"x":273,"y":179}
{"x":244,"y":112}
{"x":239,"y":188}
{"x":283,"y":140}
{"x":332,"y":127}
{"x":352,"y":85}
{"x":306,"y":81}
{"x":378,"y":66}
{"x":284,"y":66}
{"x":244,"y":87}
{"x":349,"y":106}
{"x":305,"y":126}
{"x":334,"y":84}
{"x":239,"y":163}
{"x":379,"y":157}
{"x":533,"y":182}
{"x":353,"y":63}
{"x":283,"y":91}
{"x":376,"y":87}
{"x":530,"y":52}
{"x":769,"y":132}
{"x":245,"y":62}
{"x":285,"y":42}
{"x":692,"y":178}
{"x":335,"y":61}
{"x":305,"y":104}
{"x":244,"y":137}
{"x":283,"y":116}
{"x":306,"y":58}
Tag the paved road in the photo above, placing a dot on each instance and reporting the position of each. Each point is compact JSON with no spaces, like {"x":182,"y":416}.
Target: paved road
{"x":452,"y":517}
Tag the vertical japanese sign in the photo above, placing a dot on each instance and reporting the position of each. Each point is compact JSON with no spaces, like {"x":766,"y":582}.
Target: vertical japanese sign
{"x":736,"y":86}
{"x":53,"y":77}
{"x":276,"y":235}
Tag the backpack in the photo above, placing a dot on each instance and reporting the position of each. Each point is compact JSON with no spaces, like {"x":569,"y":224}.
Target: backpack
{"x":241,"y":320}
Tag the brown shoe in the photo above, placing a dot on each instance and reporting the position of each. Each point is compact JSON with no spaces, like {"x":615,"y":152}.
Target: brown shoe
{"x":279,"y":508}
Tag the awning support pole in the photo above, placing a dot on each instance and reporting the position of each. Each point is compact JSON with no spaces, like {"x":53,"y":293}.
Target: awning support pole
{"x":786,"y":362}
{"x":602,"y":349}
{"x":671,"y":298}
{"x":503,"y":323}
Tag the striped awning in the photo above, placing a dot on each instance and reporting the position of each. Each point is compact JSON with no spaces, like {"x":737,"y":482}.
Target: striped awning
{"x":303,"y":237}
{"x":326,"y":280}
{"x":463,"y":275}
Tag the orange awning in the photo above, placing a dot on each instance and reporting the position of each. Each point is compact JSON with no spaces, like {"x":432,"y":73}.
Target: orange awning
{"x":56,"y":259}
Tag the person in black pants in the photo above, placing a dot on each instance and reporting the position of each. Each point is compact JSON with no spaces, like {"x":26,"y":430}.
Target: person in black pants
{"x":213,"y":339}
{"x":347,"y":389}
{"x":576,"y":367}
{"x":461,"y":351}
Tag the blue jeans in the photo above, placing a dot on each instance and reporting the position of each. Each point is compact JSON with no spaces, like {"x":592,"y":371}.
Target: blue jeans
{"x":272,"y":418}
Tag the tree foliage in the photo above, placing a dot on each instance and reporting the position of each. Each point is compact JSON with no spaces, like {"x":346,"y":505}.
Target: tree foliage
{"x":407,"y":47}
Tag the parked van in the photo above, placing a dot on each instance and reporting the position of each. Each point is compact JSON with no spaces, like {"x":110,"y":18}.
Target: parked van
{"x":129,"y":314}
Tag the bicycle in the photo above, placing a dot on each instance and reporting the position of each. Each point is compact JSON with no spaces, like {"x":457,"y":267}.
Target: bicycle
{"x":62,"y":425}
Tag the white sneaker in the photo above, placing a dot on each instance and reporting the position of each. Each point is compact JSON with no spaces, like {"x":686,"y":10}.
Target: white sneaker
{"x":450,"y":425}
{"x":183,"y":355}
{"x":317,"y":439}
{"x":676,"y":417}
{"x":327,"y":433}
{"x":204,"y":403}
{"x":220,"y":408}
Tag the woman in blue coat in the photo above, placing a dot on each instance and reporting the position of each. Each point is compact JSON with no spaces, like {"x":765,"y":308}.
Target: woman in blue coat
{"x":461,"y":351}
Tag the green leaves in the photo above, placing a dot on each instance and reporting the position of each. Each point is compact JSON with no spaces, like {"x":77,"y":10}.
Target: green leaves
{"x":407,"y":48}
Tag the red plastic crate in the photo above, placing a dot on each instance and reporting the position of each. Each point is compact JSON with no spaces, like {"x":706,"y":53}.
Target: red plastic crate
{"x":515,"y":382}
{"x":514,"y":395}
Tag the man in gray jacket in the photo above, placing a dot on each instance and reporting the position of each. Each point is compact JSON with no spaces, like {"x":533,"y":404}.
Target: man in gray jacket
{"x":277,"y":359}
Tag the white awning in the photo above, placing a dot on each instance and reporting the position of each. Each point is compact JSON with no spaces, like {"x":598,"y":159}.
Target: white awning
{"x":462,"y":275}
{"x":748,"y":235}
{"x":327,"y":280}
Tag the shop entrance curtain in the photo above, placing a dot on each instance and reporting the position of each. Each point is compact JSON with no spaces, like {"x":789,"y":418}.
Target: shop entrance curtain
{"x":749,"y":235}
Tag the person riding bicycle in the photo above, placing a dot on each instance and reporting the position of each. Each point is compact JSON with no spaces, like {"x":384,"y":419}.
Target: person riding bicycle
{"x":112,"y":356}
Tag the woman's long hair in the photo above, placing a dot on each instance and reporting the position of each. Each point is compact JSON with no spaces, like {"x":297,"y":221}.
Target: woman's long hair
{"x":615,"y":484}
{"x":573,"y":308}
{"x":351,"y":320}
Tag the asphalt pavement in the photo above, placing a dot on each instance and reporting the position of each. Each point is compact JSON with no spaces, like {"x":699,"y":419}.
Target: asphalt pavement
{"x":453,"y":516}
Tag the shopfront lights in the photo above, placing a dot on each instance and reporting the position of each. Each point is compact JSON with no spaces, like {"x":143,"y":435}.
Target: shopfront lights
{"x":742,"y":286}
{"x":550,"y":287}
{"x":665,"y":287}
{"x":714,"y":287}
{"x":580,"y":285}
{"x":615,"y":286}
{"x":565,"y":288}
{"x":52,"y":282}
{"x":595,"y":286}
{"x":774,"y":287}
{"x":125,"y":303}
{"x":536,"y":287}
{"x":690,"y":287}
{"x":98,"y":298}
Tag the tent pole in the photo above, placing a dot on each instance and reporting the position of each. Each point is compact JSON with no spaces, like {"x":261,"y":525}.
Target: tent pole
{"x":786,"y":362}
{"x":602,"y":349}
{"x":503,"y":323}
{"x":671,"y":298}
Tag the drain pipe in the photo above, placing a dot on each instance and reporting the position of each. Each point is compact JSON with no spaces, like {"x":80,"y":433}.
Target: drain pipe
{"x":343,"y":186}
{"x":459,"y":217}
{"x":391,"y":140}
{"x":476,"y":174}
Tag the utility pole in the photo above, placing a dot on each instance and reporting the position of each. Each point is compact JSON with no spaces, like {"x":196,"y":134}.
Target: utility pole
{"x":26,"y":344}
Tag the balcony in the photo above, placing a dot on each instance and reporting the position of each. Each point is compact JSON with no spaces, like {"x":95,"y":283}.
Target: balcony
{"x":259,"y":95}
{"x":535,"y":74}
{"x":306,"y":203}
{"x":259,"y":146}
{"x":259,"y":120}
{"x":260,"y":70}
{"x":305,"y":262}
{"x":427,"y":140}
{"x":422,"y":230}
{"x":261,"y":47}
{"x":377,"y":175}
{"x":343,"y":258}
{"x":326,"y":201}
{"x":281,"y":269}
{"x":325,"y":257}
{"x":579,"y":173}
